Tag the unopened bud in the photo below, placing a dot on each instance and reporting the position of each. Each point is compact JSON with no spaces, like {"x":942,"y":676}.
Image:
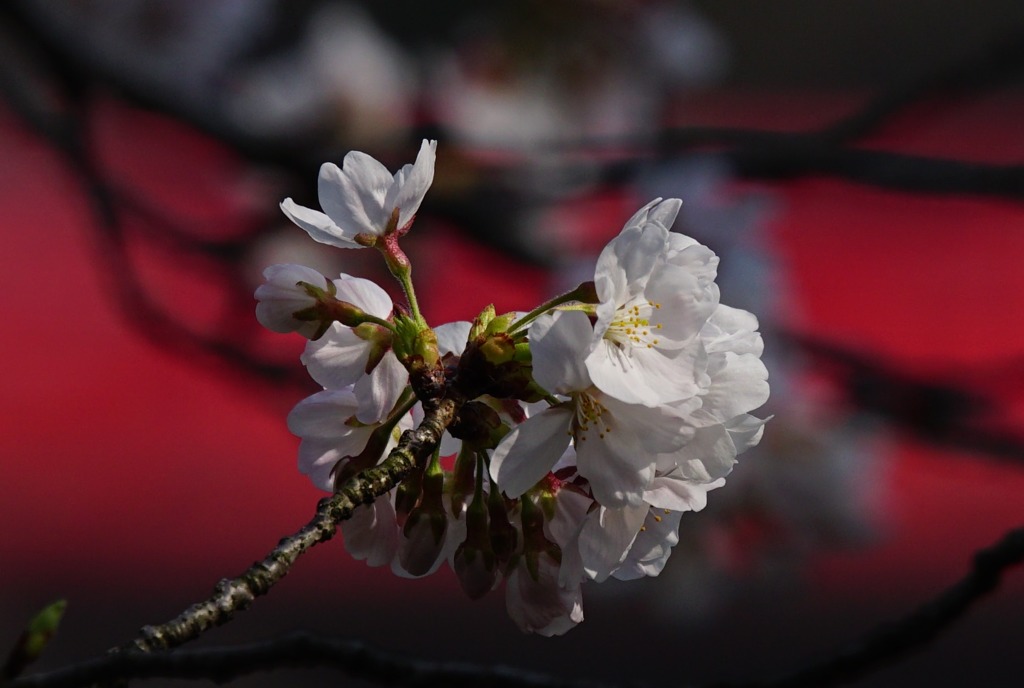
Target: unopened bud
{"x":422,"y":540}
{"x":504,"y":537}
{"x":480,"y":323}
{"x":478,"y":425}
{"x":286,"y":294}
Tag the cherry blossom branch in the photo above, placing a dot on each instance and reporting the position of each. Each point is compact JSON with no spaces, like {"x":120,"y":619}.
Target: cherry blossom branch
{"x":237,"y":594}
{"x":886,"y":644}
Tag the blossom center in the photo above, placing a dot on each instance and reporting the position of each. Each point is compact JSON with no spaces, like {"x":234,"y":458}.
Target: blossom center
{"x":635,"y":323}
{"x":590,"y":414}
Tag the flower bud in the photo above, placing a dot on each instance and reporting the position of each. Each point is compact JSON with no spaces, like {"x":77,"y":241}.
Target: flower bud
{"x":284,"y":294}
{"x":474,"y":562}
{"x":480,"y":323}
{"x":422,"y":541}
{"x":478,"y":425}
{"x":423,"y":534}
{"x":463,"y":480}
{"x":504,"y":537}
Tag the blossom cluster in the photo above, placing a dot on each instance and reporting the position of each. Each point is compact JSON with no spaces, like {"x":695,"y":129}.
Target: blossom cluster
{"x":585,"y":428}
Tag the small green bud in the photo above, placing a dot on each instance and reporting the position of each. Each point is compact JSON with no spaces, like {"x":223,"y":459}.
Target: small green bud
{"x":34,"y":639}
{"x":481,"y":322}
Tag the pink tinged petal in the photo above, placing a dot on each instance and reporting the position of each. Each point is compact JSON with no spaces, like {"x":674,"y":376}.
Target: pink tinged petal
{"x":378,"y":392}
{"x":526,"y":454}
{"x":652,"y":547}
{"x":372,"y":532}
{"x":338,"y":358}
{"x":606,"y":537}
{"x":365,"y":294}
{"x":411,"y":184}
{"x":318,"y":226}
{"x":543,"y":606}
{"x":451,"y":337}
{"x":558,"y":344}
{"x":739,"y":383}
{"x":354,"y":196}
{"x":617,"y":466}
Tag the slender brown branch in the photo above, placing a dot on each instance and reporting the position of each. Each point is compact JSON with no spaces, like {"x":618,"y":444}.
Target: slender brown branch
{"x":236,"y":594}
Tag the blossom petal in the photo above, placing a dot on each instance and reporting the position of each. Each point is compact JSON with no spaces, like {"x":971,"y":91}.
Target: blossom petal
{"x":558,"y":343}
{"x":627,"y":261}
{"x":641,"y":375}
{"x":378,"y":392}
{"x":411,"y":184}
{"x":684,"y":304}
{"x":372,"y":532}
{"x":451,"y":337}
{"x":651,"y":548}
{"x":526,"y":454}
{"x":542,"y":606}
{"x":354,"y":196}
{"x":365,"y":294}
{"x":323,"y":414}
{"x":658,"y":429}
{"x":739,"y":383}
{"x":319,"y":226}
{"x":617,"y":466}
{"x":677,"y":494}
{"x":606,"y":537}
{"x":338,"y":358}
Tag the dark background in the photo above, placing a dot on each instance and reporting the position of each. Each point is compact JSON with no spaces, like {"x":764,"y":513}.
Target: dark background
{"x":144,"y":449}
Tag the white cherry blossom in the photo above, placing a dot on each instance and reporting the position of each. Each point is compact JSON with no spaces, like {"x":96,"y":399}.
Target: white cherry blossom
{"x":329,"y":432}
{"x":617,"y":444}
{"x":362,"y":201}
{"x":359,"y":356}
{"x":655,"y":296}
